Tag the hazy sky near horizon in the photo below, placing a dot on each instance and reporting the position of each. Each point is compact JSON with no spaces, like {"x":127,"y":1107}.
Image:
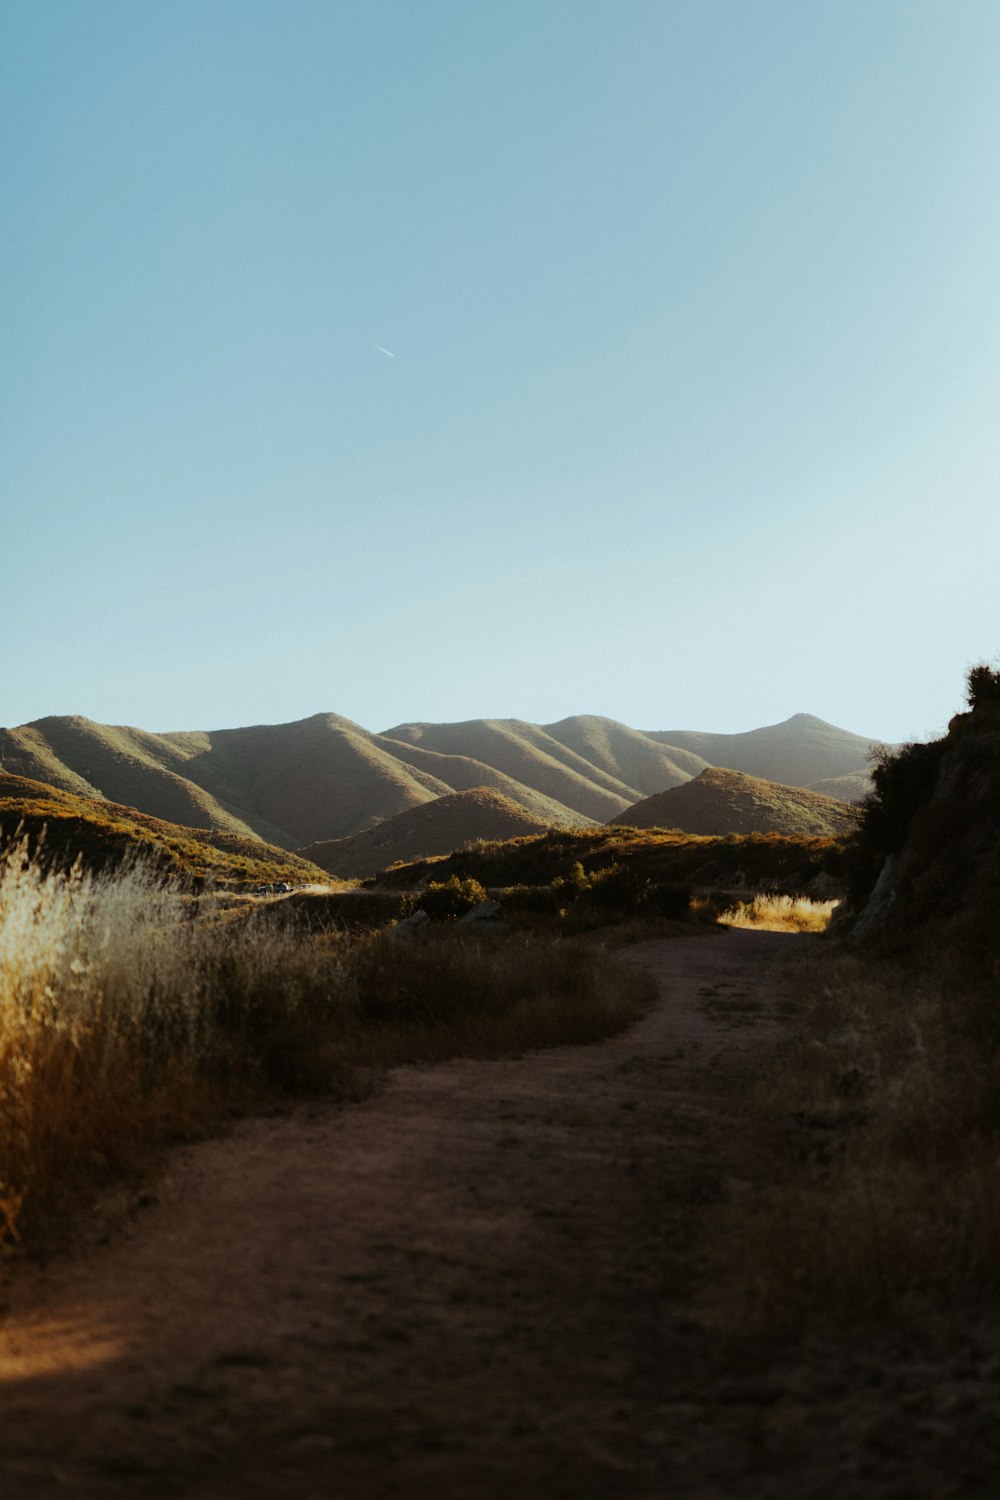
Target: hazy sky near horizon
{"x":417,"y":359}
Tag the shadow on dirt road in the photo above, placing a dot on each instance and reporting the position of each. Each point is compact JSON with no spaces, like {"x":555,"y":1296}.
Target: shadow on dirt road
{"x":476,"y":1284}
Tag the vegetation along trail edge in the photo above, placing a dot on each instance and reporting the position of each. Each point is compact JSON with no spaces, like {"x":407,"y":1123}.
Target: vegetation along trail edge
{"x":481,"y":1282}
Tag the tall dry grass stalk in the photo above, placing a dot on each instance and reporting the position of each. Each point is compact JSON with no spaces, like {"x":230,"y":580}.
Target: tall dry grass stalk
{"x":89,"y":996}
{"x":774,"y":913}
{"x":128,"y":1016}
{"x":120,"y":1017}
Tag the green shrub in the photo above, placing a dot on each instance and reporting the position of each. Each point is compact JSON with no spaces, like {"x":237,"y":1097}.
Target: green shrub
{"x":983,"y":686}
{"x":903,"y":780}
{"x":573,"y":883}
{"x":615,"y":888}
{"x":542,"y":900}
{"x":449,"y":899}
{"x":903,"y":783}
{"x":610,"y":894}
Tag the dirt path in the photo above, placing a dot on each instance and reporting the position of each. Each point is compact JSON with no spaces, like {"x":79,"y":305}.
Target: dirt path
{"x":477,"y":1284}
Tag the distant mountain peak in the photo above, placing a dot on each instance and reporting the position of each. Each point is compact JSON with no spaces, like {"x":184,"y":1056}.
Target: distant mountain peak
{"x":805,"y":721}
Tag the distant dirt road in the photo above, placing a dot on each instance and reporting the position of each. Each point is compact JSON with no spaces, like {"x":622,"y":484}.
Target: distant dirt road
{"x":476,"y":1284}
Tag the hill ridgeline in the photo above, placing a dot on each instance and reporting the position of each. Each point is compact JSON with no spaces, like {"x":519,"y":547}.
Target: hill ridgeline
{"x":326,"y":778}
{"x":721,"y":801}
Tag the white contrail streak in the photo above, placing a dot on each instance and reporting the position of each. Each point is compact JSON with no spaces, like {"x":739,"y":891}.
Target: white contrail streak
{"x":381,"y":350}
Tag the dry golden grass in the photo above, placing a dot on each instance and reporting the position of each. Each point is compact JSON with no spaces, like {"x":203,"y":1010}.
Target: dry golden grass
{"x":130,"y":1013}
{"x":63,"y":827}
{"x":774,"y":913}
{"x":872,"y":1157}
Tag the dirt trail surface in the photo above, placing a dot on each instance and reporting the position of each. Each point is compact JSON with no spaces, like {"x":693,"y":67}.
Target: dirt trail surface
{"x":477,"y":1284}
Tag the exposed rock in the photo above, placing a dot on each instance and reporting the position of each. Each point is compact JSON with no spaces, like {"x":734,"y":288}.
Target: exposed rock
{"x":486,"y":915}
{"x":880,"y":901}
{"x":408,"y":928}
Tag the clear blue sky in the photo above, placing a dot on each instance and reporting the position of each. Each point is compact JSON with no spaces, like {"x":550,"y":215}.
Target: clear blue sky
{"x":691,"y":417}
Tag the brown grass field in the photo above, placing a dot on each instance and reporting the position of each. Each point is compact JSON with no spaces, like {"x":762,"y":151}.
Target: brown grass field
{"x":131,"y":1015}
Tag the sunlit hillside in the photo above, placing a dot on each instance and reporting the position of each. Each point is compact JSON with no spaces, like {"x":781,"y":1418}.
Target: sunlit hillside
{"x":720,"y":801}
{"x":798,"y":752}
{"x":527,"y":753}
{"x":435,"y":828}
{"x":324,"y":777}
{"x":633,"y":757}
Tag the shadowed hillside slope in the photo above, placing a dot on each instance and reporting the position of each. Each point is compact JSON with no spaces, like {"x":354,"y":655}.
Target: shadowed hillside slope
{"x":628,"y":754}
{"x":326,"y":778}
{"x":854,"y":787}
{"x":288,"y":784}
{"x":118,"y":764}
{"x":64,"y":828}
{"x":529,"y":754}
{"x":720,"y":801}
{"x":321,"y":777}
{"x":437,"y":827}
{"x":464,"y":774}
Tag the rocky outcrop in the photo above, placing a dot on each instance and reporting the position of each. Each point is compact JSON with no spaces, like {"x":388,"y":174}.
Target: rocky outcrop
{"x":937,"y":812}
{"x":876,"y":909}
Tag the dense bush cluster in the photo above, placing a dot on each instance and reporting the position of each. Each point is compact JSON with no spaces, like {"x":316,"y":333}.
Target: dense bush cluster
{"x":661,"y":862}
{"x":904,"y":782}
{"x":612,"y":893}
{"x":983,"y":688}
{"x":445,"y":900}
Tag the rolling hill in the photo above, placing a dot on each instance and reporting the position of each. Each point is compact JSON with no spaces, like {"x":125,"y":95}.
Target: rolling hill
{"x":852,"y":787}
{"x":325,"y":777}
{"x":720,"y":801}
{"x":797,"y":752}
{"x":437,"y":827}
{"x":66,"y":827}
{"x":529,"y":754}
{"x":289,"y":784}
{"x":633,"y":757}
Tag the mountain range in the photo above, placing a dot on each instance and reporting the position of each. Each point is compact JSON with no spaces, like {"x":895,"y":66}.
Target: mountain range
{"x":65,"y":828}
{"x":326,"y":778}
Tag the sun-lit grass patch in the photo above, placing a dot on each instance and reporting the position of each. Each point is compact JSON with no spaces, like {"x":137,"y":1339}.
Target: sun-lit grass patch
{"x":775,"y":913}
{"x":132,"y":1012}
